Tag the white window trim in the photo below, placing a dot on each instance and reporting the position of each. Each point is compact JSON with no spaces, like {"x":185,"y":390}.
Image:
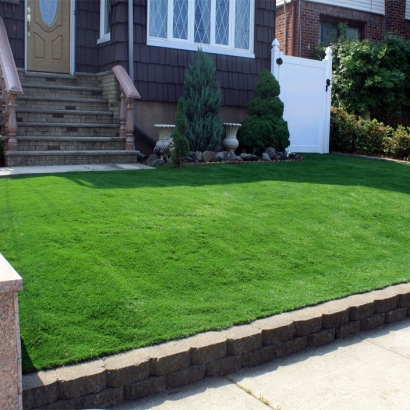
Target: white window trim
{"x":182,"y":44}
{"x":104,"y":37}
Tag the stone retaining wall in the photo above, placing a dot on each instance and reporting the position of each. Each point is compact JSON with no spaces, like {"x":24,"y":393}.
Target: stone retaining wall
{"x":10,"y":349}
{"x":142,"y":372}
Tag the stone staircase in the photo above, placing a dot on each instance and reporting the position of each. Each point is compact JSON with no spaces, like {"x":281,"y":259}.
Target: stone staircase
{"x":68,"y":120}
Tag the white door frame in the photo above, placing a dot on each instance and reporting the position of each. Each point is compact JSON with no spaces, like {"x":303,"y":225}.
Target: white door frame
{"x":72,"y":36}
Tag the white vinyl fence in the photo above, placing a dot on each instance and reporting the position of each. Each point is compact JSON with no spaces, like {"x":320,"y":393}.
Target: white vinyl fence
{"x":305,"y":89}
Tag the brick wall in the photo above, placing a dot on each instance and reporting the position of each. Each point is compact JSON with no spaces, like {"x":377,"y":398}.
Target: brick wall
{"x":395,"y":10}
{"x":305,"y":21}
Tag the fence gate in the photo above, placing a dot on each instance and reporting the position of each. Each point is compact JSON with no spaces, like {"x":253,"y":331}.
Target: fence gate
{"x":305,"y":88}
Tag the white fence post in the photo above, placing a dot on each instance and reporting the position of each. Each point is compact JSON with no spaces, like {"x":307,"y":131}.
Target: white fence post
{"x":328,"y":100}
{"x":275,"y":54}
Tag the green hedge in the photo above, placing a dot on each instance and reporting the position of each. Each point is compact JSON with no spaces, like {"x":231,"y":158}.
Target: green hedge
{"x":350,"y":133}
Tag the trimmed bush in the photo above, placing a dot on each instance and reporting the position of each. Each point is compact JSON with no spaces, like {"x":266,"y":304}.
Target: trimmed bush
{"x":351,"y":133}
{"x":181,"y":144}
{"x":265,"y":126}
{"x":203,"y":96}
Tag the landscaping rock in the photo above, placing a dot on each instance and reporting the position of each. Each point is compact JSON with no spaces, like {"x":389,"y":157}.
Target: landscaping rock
{"x":187,"y":376}
{"x":126,"y":368}
{"x":81,"y":380}
{"x":157,"y":163}
{"x":221,"y":156}
{"x":320,"y":338}
{"x":271,"y":152}
{"x":347,"y":329}
{"x":372,"y":322}
{"x":151,"y":159}
{"x":276,"y":329}
{"x":243,"y":339}
{"x":245,"y":157}
{"x":291,"y":346}
{"x":228,"y":364}
{"x":192,"y":154}
{"x":253,"y":157}
{"x":207,"y":347}
{"x":199,"y":156}
{"x":263,"y":355}
{"x":188,"y":159}
{"x":361,"y":306}
{"x":209,"y":156}
{"x":105,"y":399}
{"x":395,"y":315}
{"x":39,"y":389}
{"x":307,"y":321}
{"x":169,"y":358}
{"x":265,"y":157}
{"x":144,"y":388}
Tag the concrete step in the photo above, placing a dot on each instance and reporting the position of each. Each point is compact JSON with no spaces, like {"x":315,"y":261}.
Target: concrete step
{"x":41,"y":143}
{"x":64,"y":116}
{"x":71,"y":103}
{"x":64,"y":79}
{"x":70,"y":129}
{"x":30,"y":158}
{"x":56,"y":90}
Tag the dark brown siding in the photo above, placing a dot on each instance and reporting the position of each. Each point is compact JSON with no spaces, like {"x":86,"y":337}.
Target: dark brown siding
{"x":159,"y":72}
{"x":14,"y":19}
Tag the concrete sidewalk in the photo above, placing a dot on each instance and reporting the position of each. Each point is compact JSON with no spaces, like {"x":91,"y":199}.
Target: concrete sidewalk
{"x":56,"y":169}
{"x":368,"y":371}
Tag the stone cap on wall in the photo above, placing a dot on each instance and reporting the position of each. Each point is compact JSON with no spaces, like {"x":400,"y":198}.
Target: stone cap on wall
{"x":10,"y":280}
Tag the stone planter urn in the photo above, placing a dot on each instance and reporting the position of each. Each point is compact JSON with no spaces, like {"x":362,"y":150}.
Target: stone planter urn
{"x":164,"y":133}
{"x":230,"y":142}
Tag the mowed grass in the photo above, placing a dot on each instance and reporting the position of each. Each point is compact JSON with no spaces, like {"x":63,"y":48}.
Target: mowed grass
{"x":118,"y":260}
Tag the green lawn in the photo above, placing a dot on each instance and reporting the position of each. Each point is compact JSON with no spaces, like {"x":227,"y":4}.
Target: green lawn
{"x":117,"y":260}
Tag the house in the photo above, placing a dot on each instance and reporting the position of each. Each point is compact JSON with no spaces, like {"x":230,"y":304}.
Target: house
{"x":309,"y":23}
{"x":56,"y":41}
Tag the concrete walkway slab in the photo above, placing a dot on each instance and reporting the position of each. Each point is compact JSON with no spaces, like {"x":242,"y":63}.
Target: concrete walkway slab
{"x":56,"y":169}
{"x":367,"y":371}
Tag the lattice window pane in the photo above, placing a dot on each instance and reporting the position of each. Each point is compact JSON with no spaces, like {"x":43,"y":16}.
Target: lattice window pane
{"x":242,"y":21}
{"x":222,"y":22}
{"x":181,"y":19}
{"x":202,"y":26}
{"x":158,"y":18}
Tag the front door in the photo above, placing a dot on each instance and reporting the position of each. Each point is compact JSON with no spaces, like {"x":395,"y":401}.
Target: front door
{"x":48,"y":31}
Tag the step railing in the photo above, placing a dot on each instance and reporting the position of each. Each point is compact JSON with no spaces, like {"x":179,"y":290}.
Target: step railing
{"x":128,"y":93}
{"x":10,"y":89}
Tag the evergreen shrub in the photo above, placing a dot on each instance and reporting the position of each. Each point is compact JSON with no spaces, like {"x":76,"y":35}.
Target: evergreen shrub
{"x":265,"y":126}
{"x":203,"y":96}
{"x":181,"y":144}
{"x":351,"y":133}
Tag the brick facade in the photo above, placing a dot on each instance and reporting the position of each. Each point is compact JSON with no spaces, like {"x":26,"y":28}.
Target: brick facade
{"x":302,"y":25}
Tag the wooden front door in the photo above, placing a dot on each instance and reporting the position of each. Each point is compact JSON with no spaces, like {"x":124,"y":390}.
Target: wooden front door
{"x":48,"y":42}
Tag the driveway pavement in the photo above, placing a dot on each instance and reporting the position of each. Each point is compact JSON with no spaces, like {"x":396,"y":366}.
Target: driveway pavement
{"x":55,"y":169}
{"x":368,"y":371}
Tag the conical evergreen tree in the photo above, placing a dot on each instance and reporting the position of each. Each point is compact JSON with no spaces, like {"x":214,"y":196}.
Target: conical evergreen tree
{"x":265,"y":126}
{"x":181,"y":144}
{"x":203,"y":96}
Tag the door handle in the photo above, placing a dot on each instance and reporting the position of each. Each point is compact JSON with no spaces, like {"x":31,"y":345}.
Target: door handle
{"x":28,"y":15}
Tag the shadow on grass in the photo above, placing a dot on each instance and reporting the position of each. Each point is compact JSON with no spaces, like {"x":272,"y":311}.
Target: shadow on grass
{"x":314,"y":169}
{"x":330,"y":169}
{"x":26,"y":361}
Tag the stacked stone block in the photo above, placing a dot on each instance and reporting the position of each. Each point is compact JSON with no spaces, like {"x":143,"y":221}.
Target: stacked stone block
{"x":143,"y":372}
{"x":10,"y":349}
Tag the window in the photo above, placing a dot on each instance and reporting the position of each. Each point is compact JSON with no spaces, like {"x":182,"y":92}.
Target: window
{"x":105,"y":14}
{"x":331,"y":30}
{"x":217,"y":26}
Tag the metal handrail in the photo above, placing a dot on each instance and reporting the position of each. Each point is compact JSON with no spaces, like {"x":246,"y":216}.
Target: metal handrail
{"x":128,"y":93}
{"x":10,"y":89}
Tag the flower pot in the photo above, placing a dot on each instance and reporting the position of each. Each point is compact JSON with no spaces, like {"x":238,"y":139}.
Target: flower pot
{"x":164,"y":133}
{"x":230,"y":142}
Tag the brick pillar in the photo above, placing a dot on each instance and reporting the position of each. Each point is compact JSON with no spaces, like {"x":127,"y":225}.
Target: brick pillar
{"x":395,"y":11}
{"x":10,"y":348}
